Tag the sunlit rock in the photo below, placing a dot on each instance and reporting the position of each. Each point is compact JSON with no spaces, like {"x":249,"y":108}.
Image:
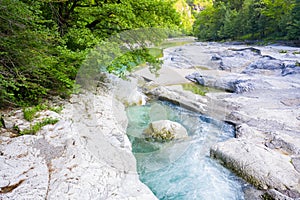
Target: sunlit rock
{"x":165,"y":130}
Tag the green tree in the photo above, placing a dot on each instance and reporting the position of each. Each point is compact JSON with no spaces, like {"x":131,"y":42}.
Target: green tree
{"x":278,"y":13}
{"x":29,"y":68}
{"x":43,"y":43}
{"x":294,"y":25}
{"x":249,"y":19}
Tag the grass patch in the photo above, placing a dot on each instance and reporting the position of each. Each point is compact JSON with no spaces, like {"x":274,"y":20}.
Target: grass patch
{"x":56,"y":109}
{"x":38,"y":126}
{"x":201,"y":67}
{"x":2,"y":124}
{"x":196,"y":89}
{"x":296,"y":52}
{"x":283,"y":51}
{"x":199,"y":89}
{"x":30,"y":112}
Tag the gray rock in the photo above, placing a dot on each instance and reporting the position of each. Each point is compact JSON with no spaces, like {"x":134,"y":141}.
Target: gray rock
{"x":216,"y":57}
{"x":251,"y":193}
{"x":282,"y":195}
{"x":264,"y":63}
{"x":252,"y":49}
{"x":192,"y":77}
{"x":165,"y":130}
{"x":291,"y":69}
{"x":245,"y":131}
{"x":263,"y":104}
{"x":241,"y":86}
{"x":263,"y":167}
{"x":296,"y":163}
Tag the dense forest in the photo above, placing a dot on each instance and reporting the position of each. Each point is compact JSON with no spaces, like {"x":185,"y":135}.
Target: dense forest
{"x":249,"y":19}
{"x":44,"y":43}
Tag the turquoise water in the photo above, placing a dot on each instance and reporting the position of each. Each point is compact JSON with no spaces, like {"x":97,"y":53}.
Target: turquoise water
{"x":182,"y":169}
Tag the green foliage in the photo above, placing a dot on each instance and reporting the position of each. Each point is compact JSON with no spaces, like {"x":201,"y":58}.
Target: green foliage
{"x":249,"y":19}
{"x":199,"y":89}
{"x":44,"y":43}
{"x":130,"y":60}
{"x":194,"y":88}
{"x":56,"y":109}
{"x":29,"y":69}
{"x":294,"y":24}
{"x":283,"y":51}
{"x":200,"y":2}
{"x":30,"y":112}
{"x":186,"y":15}
{"x":2,"y":123}
{"x":38,"y":126}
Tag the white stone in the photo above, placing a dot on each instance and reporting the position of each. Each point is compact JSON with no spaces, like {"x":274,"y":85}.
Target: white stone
{"x":164,"y":130}
{"x":86,"y":155}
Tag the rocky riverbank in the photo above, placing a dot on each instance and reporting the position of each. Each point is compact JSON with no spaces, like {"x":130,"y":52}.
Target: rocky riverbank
{"x":261,"y":97}
{"x":86,"y":155}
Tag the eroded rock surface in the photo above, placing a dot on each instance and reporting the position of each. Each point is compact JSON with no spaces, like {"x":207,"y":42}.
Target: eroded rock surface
{"x":261,"y":97}
{"x":86,"y":155}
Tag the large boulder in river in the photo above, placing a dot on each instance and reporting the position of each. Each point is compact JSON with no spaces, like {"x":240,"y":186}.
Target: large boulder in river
{"x":165,"y":130}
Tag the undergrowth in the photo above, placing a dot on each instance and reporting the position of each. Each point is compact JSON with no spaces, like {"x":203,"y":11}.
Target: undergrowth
{"x":30,"y":112}
{"x":38,"y":126}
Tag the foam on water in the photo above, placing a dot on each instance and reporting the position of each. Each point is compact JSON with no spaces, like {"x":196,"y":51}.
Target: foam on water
{"x":182,"y":169}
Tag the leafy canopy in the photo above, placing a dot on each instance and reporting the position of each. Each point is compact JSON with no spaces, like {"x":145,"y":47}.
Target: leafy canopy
{"x":44,"y":43}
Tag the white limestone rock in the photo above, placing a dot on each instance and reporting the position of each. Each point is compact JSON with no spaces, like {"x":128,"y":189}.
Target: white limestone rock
{"x":86,"y":155}
{"x":262,"y":166}
{"x":165,"y":130}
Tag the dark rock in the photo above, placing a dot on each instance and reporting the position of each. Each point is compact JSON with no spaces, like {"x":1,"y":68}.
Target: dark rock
{"x":192,"y":76}
{"x":241,"y":86}
{"x":269,"y":57}
{"x":264,"y":63}
{"x":196,"y":78}
{"x":290,"y":69}
{"x":257,"y":51}
{"x":224,"y":67}
{"x":216,"y":57}
{"x":200,"y":80}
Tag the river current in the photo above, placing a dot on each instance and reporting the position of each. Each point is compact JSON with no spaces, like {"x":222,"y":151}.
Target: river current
{"x":182,"y":169}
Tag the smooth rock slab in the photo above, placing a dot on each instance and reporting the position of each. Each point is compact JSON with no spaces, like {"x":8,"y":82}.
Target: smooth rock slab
{"x":263,"y":167}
